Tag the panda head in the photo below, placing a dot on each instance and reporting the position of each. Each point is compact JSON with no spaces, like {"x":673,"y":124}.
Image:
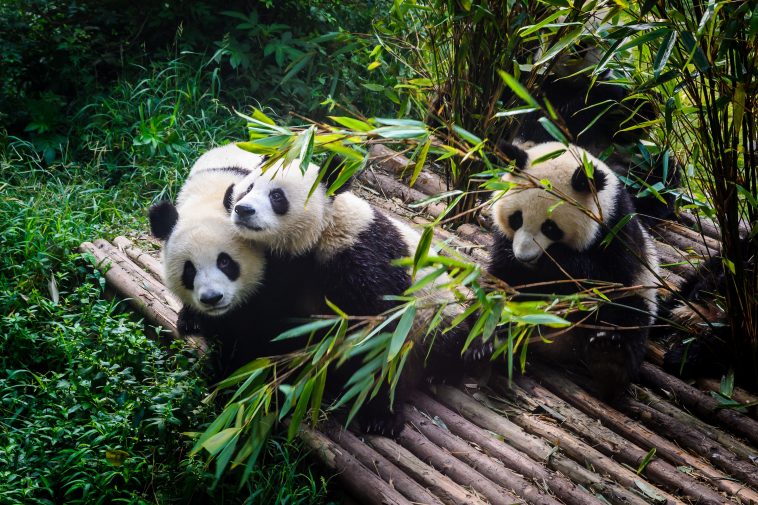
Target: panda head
{"x":204,"y":263}
{"x":277,"y":209}
{"x":553,"y":201}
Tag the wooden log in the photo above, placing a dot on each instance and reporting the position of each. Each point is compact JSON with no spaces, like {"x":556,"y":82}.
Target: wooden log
{"x":605,"y":443}
{"x":681,"y":243}
{"x":474,"y":234}
{"x":655,"y":353}
{"x":389,"y":187}
{"x":441,"y":486}
{"x":566,"y":490}
{"x":489,"y":467}
{"x":691,"y":437}
{"x":702,"y":242}
{"x":464,"y":475}
{"x":128,"y":284}
{"x":395,"y":163}
{"x":533,"y":446}
{"x":731,"y":443}
{"x":738,"y":394}
{"x":358,"y":479}
{"x":140,"y":257}
{"x":700,"y":224}
{"x":380,"y":465}
{"x":643,"y":437}
{"x":699,"y":403}
{"x":673,"y":259}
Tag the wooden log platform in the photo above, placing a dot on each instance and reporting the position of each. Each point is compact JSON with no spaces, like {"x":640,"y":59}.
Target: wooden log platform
{"x":541,"y":439}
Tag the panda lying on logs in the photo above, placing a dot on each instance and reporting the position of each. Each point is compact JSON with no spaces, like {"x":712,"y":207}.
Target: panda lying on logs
{"x":547,"y":233}
{"x":351,"y":247}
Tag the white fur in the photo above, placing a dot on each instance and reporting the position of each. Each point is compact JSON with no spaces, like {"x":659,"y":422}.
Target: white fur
{"x":203,"y":231}
{"x":227,"y":156}
{"x":576,"y":213}
{"x":295,"y":232}
{"x":348,"y":217}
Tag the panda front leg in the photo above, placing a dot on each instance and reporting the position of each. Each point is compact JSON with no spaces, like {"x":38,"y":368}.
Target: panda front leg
{"x":614,"y":354}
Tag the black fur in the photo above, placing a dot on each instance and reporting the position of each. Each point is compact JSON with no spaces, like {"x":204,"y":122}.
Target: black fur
{"x":612,"y":356}
{"x":163,"y":217}
{"x":514,"y":153}
{"x":188,"y":275}
{"x":582,"y":184}
{"x":228,"y":265}
{"x":235,"y":170}
{"x":228,"y":195}
{"x":279,"y":203}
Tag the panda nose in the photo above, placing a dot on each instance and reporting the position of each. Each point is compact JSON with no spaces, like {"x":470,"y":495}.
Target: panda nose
{"x":244,"y":210}
{"x":211,"y":298}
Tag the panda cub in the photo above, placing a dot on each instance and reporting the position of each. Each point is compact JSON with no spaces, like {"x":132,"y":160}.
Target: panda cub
{"x":549,"y":229}
{"x":351,"y":246}
{"x":218,"y":277}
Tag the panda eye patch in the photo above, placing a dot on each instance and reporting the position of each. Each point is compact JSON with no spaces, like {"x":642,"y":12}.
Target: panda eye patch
{"x":188,"y":275}
{"x":551,"y":230}
{"x":226,"y":264}
{"x":516,"y":220}
{"x":279,"y":202}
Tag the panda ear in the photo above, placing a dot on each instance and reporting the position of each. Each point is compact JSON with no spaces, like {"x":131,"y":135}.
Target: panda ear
{"x":228,"y":198}
{"x":513,"y":153}
{"x":332,"y":168}
{"x":163,"y":217}
{"x":581,"y":182}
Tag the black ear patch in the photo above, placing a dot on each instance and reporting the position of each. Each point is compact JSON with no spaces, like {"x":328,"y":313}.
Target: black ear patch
{"x":228,"y":198}
{"x":332,"y":169}
{"x":581,"y":183}
{"x":513,"y":153}
{"x":163,"y":217}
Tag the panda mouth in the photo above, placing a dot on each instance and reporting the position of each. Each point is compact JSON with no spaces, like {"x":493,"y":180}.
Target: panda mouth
{"x":250,"y":226}
{"x":216,"y":311}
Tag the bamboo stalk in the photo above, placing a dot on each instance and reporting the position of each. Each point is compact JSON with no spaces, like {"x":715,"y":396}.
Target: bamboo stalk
{"x":464,"y":475}
{"x":533,"y":446}
{"x":742,"y":450}
{"x":738,"y":394}
{"x":359,"y":480}
{"x":643,"y":437}
{"x":701,"y":404}
{"x":443,"y":487}
{"x":380,"y":465}
{"x":489,"y":467}
{"x":691,"y":437}
{"x":605,"y":443}
{"x":566,"y":490}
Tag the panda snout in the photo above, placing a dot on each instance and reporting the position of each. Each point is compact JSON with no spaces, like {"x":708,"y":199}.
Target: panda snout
{"x":211,"y":298}
{"x":243,"y":210}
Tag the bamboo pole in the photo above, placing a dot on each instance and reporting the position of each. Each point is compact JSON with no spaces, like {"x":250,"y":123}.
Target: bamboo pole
{"x":463,"y":475}
{"x":358,"y":479}
{"x":533,"y":446}
{"x":605,"y":443}
{"x":487,"y":466}
{"x":380,"y":465}
{"x":643,"y":437}
{"x":443,"y":487}
{"x":566,"y":490}
{"x":699,"y":403}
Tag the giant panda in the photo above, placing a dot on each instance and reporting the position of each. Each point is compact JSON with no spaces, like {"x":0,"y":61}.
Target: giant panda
{"x":549,"y":228}
{"x":221,"y":279}
{"x":352,"y":246}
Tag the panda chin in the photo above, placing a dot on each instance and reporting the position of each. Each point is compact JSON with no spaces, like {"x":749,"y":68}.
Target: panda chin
{"x":217,"y":311}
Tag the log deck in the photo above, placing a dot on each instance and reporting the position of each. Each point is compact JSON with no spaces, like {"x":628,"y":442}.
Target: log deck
{"x":542,"y":439}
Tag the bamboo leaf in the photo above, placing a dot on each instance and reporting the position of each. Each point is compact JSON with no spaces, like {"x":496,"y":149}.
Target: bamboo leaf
{"x":612,"y":234}
{"x":305,"y":329}
{"x":300,"y":409}
{"x":401,"y":331}
{"x":352,"y":123}
{"x":553,"y":130}
{"x":518,"y":89}
{"x":420,"y":161}
{"x":422,"y":249}
{"x":664,"y":53}
{"x":646,"y":460}
{"x":559,"y":46}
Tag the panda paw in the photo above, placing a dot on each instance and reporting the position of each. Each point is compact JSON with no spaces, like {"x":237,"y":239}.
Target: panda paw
{"x":187,"y":323}
{"x":387,"y":424}
{"x":478,"y":352}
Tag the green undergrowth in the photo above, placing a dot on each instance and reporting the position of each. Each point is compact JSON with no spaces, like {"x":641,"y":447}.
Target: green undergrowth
{"x":91,"y":409}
